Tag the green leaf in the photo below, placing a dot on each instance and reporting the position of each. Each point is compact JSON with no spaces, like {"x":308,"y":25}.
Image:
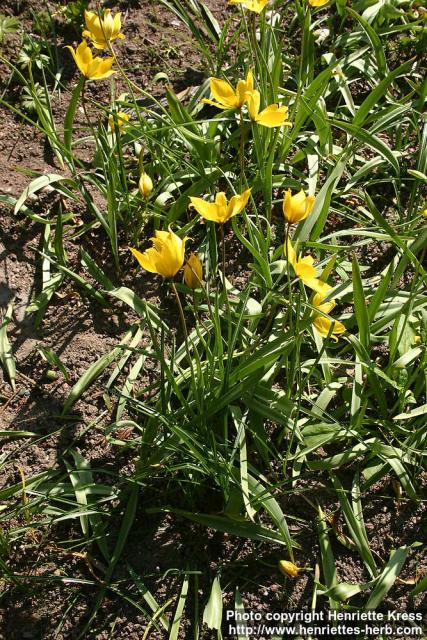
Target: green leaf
{"x":360,"y":306}
{"x":327,"y":556}
{"x":388,"y":577}
{"x":177,"y":619}
{"x":212,"y":615}
{"x":242,"y":528}
{"x":93,"y":372}
{"x":51,"y":357}
{"x":374,"y":97}
{"x":82,"y":480}
{"x":374,"y":40}
{"x":6,"y":355}
{"x":262,"y":495}
{"x":149,"y":599}
{"x":368,"y":139}
{"x":15,"y":435}
{"x":69,"y":116}
{"x":356,"y":527}
{"x":37,"y":185}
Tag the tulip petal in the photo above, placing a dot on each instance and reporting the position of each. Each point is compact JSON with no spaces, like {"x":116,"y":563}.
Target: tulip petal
{"x":84,"y":53}
{"x":297,"y":207}
{"x":252,"y":5}
{"x":253,"y":100}
{"x":215,"y":104}
{"x":101,"y":68}
{"x":273,"y":116}
{"x":304,"y":270}
{"x":249,"y":81}
{"x":166,"y":257}
{"x":208,"y":210}
{"x":238,"y":203}
{"x":289,"y":252}
{"x":193,"y":272}
{"x":323,"y":290}
{"x":93,"y":25}
{"x":145,"y":259}
{"x":223,"y":92}
{"x":323,"y":326}
{"x":221,"y":201}
{"x":314,"y":283}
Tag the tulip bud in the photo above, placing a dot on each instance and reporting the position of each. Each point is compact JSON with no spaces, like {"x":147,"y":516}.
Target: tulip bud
{"x":288,"y":568}
{"x":145,"y":185}
{"x":297,"y":207}
{"x":193,"y":272}
{"x":121,"y":117}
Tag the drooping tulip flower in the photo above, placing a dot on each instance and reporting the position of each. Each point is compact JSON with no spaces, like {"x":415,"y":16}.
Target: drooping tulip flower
{"x":92,"y":68}
{"x":165,"y":257}
{"x":225,"y":97}
{"x":288,"y":568}
{"x":121,"y":118}
{"x":320,"y":322}
{"x":271,"y":116}
{"x":297,"y":207}
{"x":145,"y":185}
{"x":193,"y":272}
{"x":252,"y":5}
{"x":103,"y":31}
{"x":220,"y":211}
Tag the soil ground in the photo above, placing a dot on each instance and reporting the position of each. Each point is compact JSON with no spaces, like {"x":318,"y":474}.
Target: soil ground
{"x":79,"y":331}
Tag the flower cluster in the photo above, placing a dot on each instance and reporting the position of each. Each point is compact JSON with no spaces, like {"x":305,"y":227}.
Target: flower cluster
{"x":225,"y":97}
{"x":295,"y":209}
{"x":167,"y":255}
{"x":259,"y":5}
{"x":102,"y":32}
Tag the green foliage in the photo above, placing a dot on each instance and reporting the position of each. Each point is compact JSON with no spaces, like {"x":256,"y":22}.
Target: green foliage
{"x":74,"y":12}
{"x":8,"y":26}
{"x":247,"y":402}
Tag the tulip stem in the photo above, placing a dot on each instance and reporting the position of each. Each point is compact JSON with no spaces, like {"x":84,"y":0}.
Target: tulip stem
{"x":242,"y":151}
{"x":193,"y":381}
{"x":288,"y":273}
{"x":86,"y":113}
{"x":181,"y":313}
{"x":140,"y":220}
{"x":223,"y":270}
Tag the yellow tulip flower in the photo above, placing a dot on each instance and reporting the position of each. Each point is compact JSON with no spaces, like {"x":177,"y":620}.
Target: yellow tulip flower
{"x":320,"y":322}
{"x":221,"y":210}
{"x":103,"y":30}
{"x":145,"y":185}
{"x":297,"y":207}
{"x":317,"y":3}
{"x":92,"y":68}
{"x":166,"y":257}
{"x":228,"y":98}
{"x":121,"y":117}
{"x":289,"y":568}
{"x":271,"y":116}
{"x":252,"y":5}
{"x":193,"y":272}
{"x":303,"y":267}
